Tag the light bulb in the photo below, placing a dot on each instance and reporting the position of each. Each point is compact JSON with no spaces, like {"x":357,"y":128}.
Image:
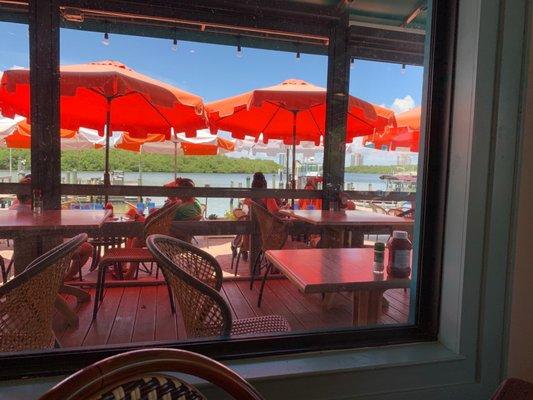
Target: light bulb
{"x":297,"y":56}
{"x":105,"y":40}
{"x":239,"y":51}
{"x":174,"y":46}
{"x":352,"y":63}
{"x":402,"y":71}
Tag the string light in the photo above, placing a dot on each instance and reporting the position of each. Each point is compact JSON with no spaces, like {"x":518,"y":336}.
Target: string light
{"x":403,"y":69}
{"x":105,"y":40}
{"x":298,"y":55}
{"x":239,"y":48}
{"x":174,"y":46}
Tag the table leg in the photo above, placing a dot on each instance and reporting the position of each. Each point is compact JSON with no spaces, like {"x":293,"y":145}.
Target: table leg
{"x":25,"y":250}
{"x":332,"y":238}
{"x":367,"y":306}
{"x":328,"y":300}
{"x":357,"y":239}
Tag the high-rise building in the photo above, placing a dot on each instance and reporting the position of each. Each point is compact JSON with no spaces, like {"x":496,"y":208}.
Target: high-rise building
{"x":356,"y":159}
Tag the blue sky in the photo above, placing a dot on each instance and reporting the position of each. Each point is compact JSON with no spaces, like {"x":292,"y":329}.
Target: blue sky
{"x":214,"y":71}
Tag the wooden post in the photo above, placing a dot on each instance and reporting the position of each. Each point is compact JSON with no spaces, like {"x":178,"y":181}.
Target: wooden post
{"x":44,"y":84}
{"x":336,"y":107}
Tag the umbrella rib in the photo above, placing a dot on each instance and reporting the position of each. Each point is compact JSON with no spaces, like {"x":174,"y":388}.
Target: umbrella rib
{"x":129,"y":93}
{"x":270,"y":120}
{"x":316,"y":123}
{"x":154,"y":107}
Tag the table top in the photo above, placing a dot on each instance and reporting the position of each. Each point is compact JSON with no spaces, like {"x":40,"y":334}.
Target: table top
{"x":346,"y":217}
{"x":58,"y":221}
{"x":332,"y":270}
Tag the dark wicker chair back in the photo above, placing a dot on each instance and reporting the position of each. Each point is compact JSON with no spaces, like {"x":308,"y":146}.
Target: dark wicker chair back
{"x":136,"y":374}
{"x":273,"y":229}
{"x":160,"y":221}
{"x":195,"y":278}
{"x":27,"y":301}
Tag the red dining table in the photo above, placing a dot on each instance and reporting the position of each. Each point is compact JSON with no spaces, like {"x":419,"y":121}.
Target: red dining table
{"x":33,"y":234}
{"x":346,"y":228}
{"x":339,"y":270}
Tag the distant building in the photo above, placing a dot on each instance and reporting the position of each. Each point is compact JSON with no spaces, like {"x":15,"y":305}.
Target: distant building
{"x":282,"y":159}
{"x":356,"y":160}
{"x":404,"y":159}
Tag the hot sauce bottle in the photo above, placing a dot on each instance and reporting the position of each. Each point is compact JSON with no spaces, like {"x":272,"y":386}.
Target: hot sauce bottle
{"x":109,"y":206}
{"x":399,"y":261}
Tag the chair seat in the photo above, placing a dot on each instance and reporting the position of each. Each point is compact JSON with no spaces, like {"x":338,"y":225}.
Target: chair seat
{"x":152,"y":386}
{"x":264,"y":324}
{"x":130,"y":254}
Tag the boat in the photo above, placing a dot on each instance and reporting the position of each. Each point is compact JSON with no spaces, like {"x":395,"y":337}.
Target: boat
{"x":400,"y":182}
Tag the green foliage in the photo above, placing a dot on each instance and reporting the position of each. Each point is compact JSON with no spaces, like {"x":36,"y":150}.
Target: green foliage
{"x":93,"y":160}
{"x":381,"y":169}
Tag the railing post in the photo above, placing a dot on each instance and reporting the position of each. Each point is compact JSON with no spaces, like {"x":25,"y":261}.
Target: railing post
{"x":336,"y":109}
{"x":44,"y":87}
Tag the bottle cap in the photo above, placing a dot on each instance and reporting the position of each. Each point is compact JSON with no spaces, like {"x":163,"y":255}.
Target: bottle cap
{"x":379,"y":246}
{"x":400,"y":235}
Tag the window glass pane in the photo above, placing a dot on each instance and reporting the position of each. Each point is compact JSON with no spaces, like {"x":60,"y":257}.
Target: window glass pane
{"x":149,"y":106}
{"x":14,"y":143}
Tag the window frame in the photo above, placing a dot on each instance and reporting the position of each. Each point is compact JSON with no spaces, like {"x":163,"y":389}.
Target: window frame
{"x":434,"y":169}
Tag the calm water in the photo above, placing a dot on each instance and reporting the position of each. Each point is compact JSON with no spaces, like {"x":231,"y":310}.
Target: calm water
{"x":214,"y":205}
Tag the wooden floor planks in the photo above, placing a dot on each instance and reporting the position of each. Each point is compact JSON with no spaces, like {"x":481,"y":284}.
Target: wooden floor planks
{"x":143,"y":313}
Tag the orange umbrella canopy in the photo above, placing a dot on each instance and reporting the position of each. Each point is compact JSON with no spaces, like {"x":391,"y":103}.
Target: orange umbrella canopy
{"x":137,"y":103}
{"x":403,"y":133}
{"x":127,"y":142}
{"x":21,"y":136}
{"x":294,"y":108}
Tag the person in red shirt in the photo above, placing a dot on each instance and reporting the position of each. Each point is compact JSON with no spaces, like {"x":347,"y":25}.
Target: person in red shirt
{"x":310,"y":204}
{"x":270,"y":203}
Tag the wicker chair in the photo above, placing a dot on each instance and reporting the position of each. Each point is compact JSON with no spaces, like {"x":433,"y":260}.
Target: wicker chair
{"x":240,"y":246}
{"x":274,"y":236}
{"x":27,"y":300}
{"x":158,"y":222}
{"x":137,"y":375}
{"x":196,"y":279}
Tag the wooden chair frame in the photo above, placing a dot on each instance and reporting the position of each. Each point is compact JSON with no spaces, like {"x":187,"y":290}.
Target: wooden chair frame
{"x":112,"y":372}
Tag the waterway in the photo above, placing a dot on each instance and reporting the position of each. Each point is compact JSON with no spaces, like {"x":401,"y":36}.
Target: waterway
{"x":217,"y":206}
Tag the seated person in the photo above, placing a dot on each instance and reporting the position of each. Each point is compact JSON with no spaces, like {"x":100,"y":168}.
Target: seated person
{"x":310,"y":204}
{"x":80,"y":256}
{"x":270,"y":203}
{"x":189,"y":209}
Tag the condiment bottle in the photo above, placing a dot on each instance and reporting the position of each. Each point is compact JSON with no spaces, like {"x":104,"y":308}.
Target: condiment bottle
{"x":379,"y":257}
{"x":109,"y":206}
{"x":399,"y":261}
{"x":37,"y":201}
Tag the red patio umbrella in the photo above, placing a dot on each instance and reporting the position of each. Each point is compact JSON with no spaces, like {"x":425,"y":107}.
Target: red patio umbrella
{"x":404,"y":132}
{"x":108,"y":94}
{"x":292,"y":111}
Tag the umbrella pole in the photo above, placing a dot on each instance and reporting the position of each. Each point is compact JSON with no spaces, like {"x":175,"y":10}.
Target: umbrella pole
{"x":175,"y":160}
{"x":294,"y":149}
{"x":287,"y":158}
{"x":10,"y":165}
{"x":107,"y":181}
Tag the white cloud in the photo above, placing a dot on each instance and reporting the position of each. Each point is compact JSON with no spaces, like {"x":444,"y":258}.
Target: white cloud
{"x":400,"y":105}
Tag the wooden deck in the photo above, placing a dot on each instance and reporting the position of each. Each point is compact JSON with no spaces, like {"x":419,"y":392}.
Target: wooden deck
{"x":142,"y":313}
